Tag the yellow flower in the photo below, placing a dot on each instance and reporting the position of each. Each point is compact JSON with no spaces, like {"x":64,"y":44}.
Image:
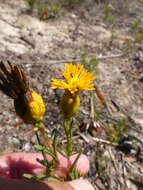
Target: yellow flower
{"x":77,"y":79}
{"x":36,"y":107}
{"x":29,"y":105}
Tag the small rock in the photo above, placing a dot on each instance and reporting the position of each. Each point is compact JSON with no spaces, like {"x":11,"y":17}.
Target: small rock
{"x":34,"y":139}
{"x":101,"y":33}
{"x":27,"y":147}
{"x":16,"y":141}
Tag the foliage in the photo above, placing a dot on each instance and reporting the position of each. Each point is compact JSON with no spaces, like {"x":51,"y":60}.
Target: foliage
{"x":117,"y":132}
{"x":108,"y":17}
{"x":90,"y":62}
{"x":137,"y":29}
{"x":71,"y":2}
{"x":47,"y":10}
{"x":55,"y":8}
{"x":31,"y":3}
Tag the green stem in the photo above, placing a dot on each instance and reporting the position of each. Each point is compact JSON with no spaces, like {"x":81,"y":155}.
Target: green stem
{"x":73,"y":174}
{"x":68,"y":131}
{"x":46,"y":138}
{"x":43,"y":153}
{"x":48,"y":143}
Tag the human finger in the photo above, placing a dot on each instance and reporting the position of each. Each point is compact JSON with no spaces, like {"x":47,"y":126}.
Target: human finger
{"x":14,"y":165}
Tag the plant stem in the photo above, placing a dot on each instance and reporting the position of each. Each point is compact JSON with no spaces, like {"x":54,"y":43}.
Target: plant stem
{"x":39,"y":143}
{"x":47,"y":142}
{"x":68,"y":131}
{"x":43,"y":153}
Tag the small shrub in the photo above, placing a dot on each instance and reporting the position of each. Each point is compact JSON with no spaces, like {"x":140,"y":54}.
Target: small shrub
{"x":108,"y":16}
{"x":137,"y":29}
{"x":118,"y":131}
{"x":71,"y":2}
{"x":31,"y":3}
{"x":55,"y":8}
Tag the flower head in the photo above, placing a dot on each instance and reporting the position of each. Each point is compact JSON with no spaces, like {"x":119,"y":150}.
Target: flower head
{"x":29,"y":105}
{"x":69,"y":104}
{"x":77,"y":79}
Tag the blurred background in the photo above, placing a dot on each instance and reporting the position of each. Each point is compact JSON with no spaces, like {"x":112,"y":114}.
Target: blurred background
{"x":107,"y":37}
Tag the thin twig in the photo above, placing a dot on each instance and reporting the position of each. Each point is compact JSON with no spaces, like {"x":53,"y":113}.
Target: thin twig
{"x":39,"y":143}
{"x":92,"y":110}
{"x":110,"y":56}
{"x":104,"y":141}
{"x":113,"y":160}
{"x":84,"y":137}
{"x":132,"y":123}
{"x":124,"y":171}
{"x":97,"y":140}
{"x":78,"y":59}
{"x":99,"y":57}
